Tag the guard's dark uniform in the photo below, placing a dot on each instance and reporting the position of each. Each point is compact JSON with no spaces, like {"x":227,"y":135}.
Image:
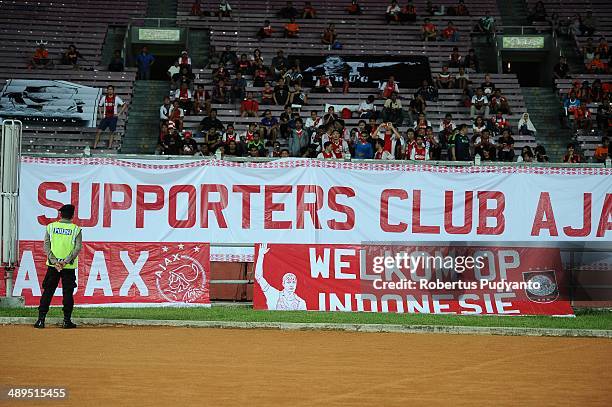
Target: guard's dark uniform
{"x":62,"y":246}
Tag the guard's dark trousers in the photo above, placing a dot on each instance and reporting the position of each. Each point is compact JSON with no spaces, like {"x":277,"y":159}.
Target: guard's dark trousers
{"x":50,"y":283}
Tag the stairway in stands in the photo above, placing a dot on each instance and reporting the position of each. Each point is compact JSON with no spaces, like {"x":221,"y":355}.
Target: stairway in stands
{"x":143,"y":125}
{"x":544,"y":106}
{"x":162,"y":9}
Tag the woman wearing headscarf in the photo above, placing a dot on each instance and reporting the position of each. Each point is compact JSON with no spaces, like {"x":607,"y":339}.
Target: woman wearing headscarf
{"x":525,"y":126}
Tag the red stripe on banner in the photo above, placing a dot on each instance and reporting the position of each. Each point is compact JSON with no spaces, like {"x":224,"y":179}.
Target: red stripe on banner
{"x":498,"y":281}
{"x":123,"y":273}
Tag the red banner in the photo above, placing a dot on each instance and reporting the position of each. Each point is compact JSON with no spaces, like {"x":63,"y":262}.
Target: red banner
{"x":412,"y":279}
{"x":124,"y":273}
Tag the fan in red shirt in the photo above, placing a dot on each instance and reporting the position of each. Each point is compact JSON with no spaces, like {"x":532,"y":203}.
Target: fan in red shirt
{"x":249,"y":135}
{"x":249,"y":107}
{"x":109,"y":109}
{"x":450,"y":32}
{"x":328,"y":151}
{"x":337,"y":144}
{"x":582,"y":117}
{"x":389,"y":87}
{"x":265,"y":31}
{"x":419,"y":151}
{"x":429,"y":30}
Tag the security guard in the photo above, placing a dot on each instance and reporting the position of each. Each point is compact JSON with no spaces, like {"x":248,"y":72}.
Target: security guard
{"x":62,"y":246}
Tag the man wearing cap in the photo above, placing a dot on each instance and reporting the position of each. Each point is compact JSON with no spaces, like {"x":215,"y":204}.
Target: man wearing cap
{"x":63,"y":242}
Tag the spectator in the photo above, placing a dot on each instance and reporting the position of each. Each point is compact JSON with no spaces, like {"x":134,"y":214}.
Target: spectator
{"x":219,"y":93}
{"x":185,"y":98}
{"x":250,"y":133}
{"x":460,"y":144}
{"x":185,"y":76}
{"x":561,"y":69}
{"x":267,"y":94}
{"x":175,"y":119}
{"x":526,"y":155}
{"x":329,"y":35}
{"x":41,"y":59}
{"x":230,"y":135}
{"x":597,"y":92}
{"x":323,"y":85}
{"x":588,"y":51}
{"x":327,"y":153}
{"x":408,"y":12}
{"x":604,"y":115}
{"x":288,"y":11}
{"x":499,"y":103}
{"x":266,"y":31}
{"x":196,"y":9}
{"x":525,"y":126}
{"x":189,"y":145}
{"x":261,"y":73}
{"x":71,"y":57}
{"x":597,"y":65}
{"x":540,"y":154}
{"x":480,"y":105}
{"x":571,"y":157}
{"x":184,"y":60}
{"x":602,"y":151}
{"x":570,"y":104}
{"x":297,"y":97}
{"x":256,"y":56}
{"x":269,"y":124}
{"x":582,"y":117}
{"x":354,"y":8}
{"x":228,"y":57}
{"x":393,"y":111}
{"x":484,"y":147}
{"x":257,"y":146}
{"x":109,"y":109}
{"x":116,"y":62}
{"x":450,"y":33}
{"x":201,"y":100}
{"x":505,"y":146}
{"x":445,"y":80}
{"x":294,"y":75}
{"x":211,"y":122}
{"x":162,"y":134}
{"x":363,"y":148}
{"x":243,"y":65}
{"x":308,"y":11}
{"x":225,"y":10}
{"x":446,"y":128}
{"x":455,"y":59}
{"x":281,"y":93}
{"x":486,"y":25}
{"x":479,"y":125}
{"x":393,"y":12}
{"x":238,"y":87}
{"x":461,"y":9}
{"x":427,"y":92}
{"x":381,"y":153}
{"x":388,"y":88}
{"x":292,"y":29}
{"x":462,"y":79}
{"x":172,"y":144}
{"x":221,"y":73}
{"x":392,"y":140}
{"x":174,"y":73}
{"x":279,"y":63}
{"x":587,"y":24}
{"x":249,"y":107}
{"x":420,"y":151}
{"x":602,"y":48}
{"x":429,"y":31}
{"x":487,"y":86}
{"x":499,"y":123}
{"x":471,"y":62}
{"x":144,"y":60}
{"x":204,"y":151}
{"x":298,"y":139}
{"x":313,"y":121}
{"x":367,"y":108}
{"x":164,"y":110}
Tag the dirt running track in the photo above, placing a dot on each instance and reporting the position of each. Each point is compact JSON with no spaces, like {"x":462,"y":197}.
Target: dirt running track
{"x":221,"y":367}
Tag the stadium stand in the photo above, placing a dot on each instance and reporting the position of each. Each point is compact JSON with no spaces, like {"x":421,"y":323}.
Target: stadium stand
{"x":83,"y":23}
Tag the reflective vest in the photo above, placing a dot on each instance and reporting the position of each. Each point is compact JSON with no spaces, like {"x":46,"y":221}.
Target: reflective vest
{"x":63,"y":239}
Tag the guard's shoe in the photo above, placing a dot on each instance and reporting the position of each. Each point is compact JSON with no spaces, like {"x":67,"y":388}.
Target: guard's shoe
{"x":40,"y":323}
{"x":68,"y":325}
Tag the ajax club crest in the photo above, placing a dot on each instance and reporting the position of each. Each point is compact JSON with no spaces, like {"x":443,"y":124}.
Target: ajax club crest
{"x":542,"y":285}
{"x":181,"y":277}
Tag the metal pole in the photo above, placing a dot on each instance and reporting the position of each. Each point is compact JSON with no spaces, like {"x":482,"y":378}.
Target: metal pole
{"x":9,"y":199}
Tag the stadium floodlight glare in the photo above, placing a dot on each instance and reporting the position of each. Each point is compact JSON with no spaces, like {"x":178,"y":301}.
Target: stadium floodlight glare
{"x":9,"y":195}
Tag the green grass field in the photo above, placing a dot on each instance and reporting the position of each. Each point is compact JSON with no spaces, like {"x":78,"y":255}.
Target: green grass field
{"x":585,"y":319}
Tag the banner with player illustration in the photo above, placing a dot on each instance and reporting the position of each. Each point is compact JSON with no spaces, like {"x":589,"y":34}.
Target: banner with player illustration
{"x":123,"y":273}
{"x":434,"y":279}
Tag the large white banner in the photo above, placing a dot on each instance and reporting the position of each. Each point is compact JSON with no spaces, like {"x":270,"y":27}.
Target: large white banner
{"x":310,"y":201}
